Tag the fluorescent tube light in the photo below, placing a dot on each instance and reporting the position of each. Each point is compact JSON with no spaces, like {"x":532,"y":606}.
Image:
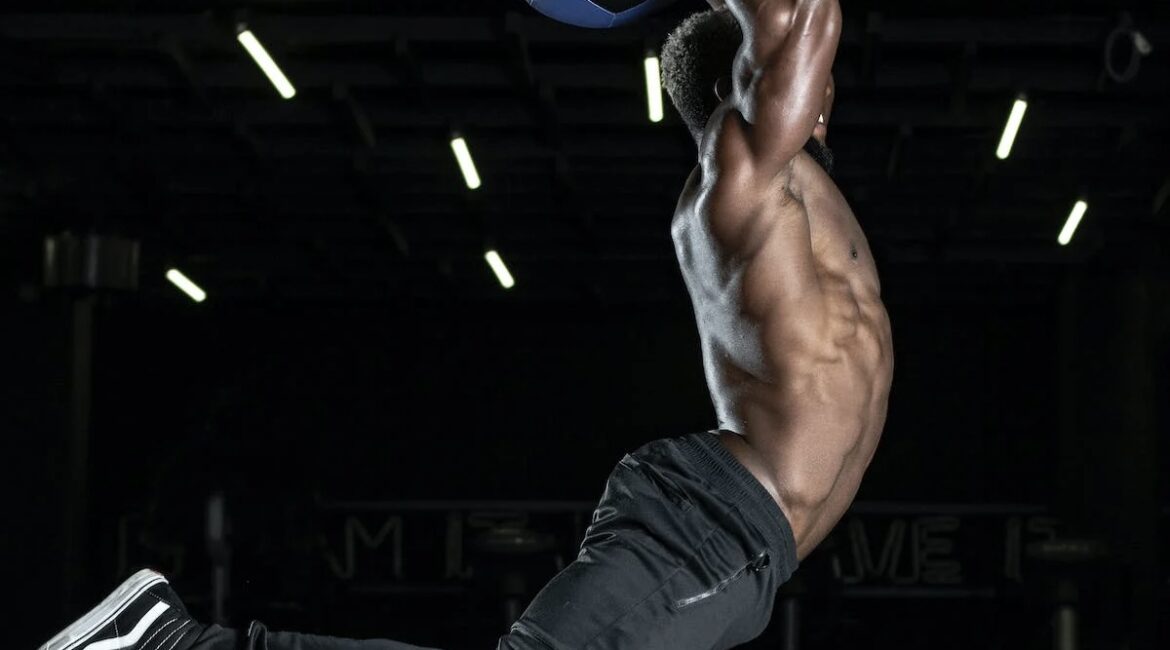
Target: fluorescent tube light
{"x":271,"y":70}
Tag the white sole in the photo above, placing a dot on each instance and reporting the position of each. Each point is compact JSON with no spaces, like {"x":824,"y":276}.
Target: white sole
{"x":95,"y":619}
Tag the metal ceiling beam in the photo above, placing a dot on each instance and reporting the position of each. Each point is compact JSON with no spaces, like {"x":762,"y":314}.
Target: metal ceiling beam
{"x":372,"y":196}
{"x":1161,"y":199}
{"x":962,"y":68}
{"x":406,"y":67}
{"x":901,"y":139}
{"x":182,"y":65}
{"x":351,"y":111}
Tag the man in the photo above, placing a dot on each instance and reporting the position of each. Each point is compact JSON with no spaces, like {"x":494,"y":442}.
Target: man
{"x":694,"y":534}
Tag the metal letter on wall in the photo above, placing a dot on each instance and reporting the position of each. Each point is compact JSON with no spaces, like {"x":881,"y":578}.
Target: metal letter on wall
{"x":354,"y":531}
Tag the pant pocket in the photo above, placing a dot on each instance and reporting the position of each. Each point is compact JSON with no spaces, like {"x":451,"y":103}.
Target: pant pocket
{"x":665,"y":485}
{"x":755,"y":565}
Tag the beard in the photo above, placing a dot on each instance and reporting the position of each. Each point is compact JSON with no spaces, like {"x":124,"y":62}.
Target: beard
{"x":820,"y":153}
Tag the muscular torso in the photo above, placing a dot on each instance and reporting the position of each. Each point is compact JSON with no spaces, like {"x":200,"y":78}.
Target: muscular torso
{"x":811,"y":402}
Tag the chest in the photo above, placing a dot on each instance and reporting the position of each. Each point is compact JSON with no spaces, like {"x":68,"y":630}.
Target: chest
{"x":837,"y":238}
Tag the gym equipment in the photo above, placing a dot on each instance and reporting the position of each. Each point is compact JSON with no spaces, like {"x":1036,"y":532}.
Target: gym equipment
{"x":1065,"y":560}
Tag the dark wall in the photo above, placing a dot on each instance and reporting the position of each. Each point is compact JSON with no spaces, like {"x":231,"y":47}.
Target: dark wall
{"x":273,"y":404}
{"x":506,"y":400}
{"x":32,"y":421}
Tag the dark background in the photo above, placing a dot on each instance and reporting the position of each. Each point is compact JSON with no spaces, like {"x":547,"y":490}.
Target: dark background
{"x":356,"y":348}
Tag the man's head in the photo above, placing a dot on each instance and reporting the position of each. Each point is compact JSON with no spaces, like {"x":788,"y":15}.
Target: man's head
{"x":697,"y":61}
{"x":697,"y":55}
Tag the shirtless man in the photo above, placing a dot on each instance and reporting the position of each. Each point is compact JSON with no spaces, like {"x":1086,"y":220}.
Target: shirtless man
{"x":694,"y":534}
{"x":796,"y":342}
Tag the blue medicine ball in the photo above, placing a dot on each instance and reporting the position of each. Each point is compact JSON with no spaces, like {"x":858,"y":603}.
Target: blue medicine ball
{"x":598,"y":13}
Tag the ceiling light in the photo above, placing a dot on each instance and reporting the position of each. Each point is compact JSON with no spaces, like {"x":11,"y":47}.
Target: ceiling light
{"x":500,"y":269}
{"x":1074,"y":219}
{"x":653,"y":87}
{"x":260,"y":55}
{"x":186,"y":285}
{"x":1015,"y":118}
{"x":466,"y":164}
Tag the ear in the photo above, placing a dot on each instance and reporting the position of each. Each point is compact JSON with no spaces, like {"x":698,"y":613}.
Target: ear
{"x":722,"y":88}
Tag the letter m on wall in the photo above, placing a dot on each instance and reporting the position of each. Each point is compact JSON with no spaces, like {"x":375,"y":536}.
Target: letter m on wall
{"x":355,"y":532}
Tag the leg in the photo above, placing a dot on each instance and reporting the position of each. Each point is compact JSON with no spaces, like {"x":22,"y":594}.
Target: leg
{"x":686,"y":551}
{"x":143,"y":613}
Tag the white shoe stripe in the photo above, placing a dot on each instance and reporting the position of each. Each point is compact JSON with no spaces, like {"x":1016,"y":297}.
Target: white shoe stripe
{"x":158,"y":630}
{"x":83,"y":629}
{"x":129,"y":639}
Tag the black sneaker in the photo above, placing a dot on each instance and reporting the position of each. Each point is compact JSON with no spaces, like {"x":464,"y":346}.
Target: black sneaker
{"x":141,"y":614}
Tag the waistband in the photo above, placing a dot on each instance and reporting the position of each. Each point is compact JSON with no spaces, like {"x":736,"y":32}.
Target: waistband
{"x":726,"y":474}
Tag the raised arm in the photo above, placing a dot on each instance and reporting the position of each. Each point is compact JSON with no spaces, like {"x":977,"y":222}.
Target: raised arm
{"x":781,"y":73}
{"x":781,"y":78}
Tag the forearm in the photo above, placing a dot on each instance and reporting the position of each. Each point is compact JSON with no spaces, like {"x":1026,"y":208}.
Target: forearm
{"x":767,"y":22}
